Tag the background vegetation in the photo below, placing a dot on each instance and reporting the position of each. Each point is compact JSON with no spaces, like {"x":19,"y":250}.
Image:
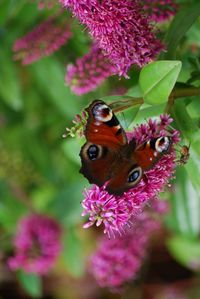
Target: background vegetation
{"x":40,"y":170}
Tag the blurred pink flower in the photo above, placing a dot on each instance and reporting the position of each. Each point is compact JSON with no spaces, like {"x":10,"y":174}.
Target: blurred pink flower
{"x":89,"y":71}
{"x":37,"y":244}
{"x":115,"y":211}
{"x":118,"y":260}
{"x":120,"y":29}
{"x":42,"y":4}
{"x":159,"y":10}
{"x":45,"y":39}
{"x":173,"y":292}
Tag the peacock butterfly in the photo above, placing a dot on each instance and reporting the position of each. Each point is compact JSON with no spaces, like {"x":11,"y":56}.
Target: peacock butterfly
{"x":108,"y":157}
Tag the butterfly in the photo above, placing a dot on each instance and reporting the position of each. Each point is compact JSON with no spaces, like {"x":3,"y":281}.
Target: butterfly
{"x":108,"y":157}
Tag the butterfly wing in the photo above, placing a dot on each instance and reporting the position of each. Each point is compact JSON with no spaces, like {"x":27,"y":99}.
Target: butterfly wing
{"x":103,"y":126}
{"x":105,"y":138}
{"x":108,"y":157}
{"x":150,"y":152}
{"x":128,"y":171}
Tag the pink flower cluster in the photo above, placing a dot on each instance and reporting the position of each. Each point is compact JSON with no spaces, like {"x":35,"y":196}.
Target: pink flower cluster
{"x":118,"y":260}
{"x":45,"y":39}
{"x":159,"y":10}
{"x":114,"y":212}
{"x":88,"y":71}
{"x":37,"y":244}
{"x":120,"y":29}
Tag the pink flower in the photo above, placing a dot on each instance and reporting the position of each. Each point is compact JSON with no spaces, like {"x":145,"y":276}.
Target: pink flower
{"x":159,"y":10}
{"x":120,"y":30}
{"x":89,"y":71}
{"x":37,"y":244}
{"x":116,"y":211}
{"x":118,"y":260}
{"x":45,"y":39}
{"x":106,"y":209}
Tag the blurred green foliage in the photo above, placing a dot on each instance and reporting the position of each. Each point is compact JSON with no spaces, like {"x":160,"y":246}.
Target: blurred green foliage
{"x":39,"y":169}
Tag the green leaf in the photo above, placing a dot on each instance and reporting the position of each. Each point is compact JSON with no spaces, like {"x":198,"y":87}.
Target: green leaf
{"x":9,"y":83}
{"x":193,"y":108}
{"x":10,"y":209}
{"x":31,"y":283}
{"x":73,"y":254}
{"x":42,"y":197}
{"x":193,"y":34}
{"x":190,"y":132}
{"x":179,"y":26}
{"x":157,"y":80}
{"x":49,"y":78}
{"x":185,"y":206}
{"x":66,"y":205}
{"x":148,"y":111}
{"x":71,"y":147}
{"x":186,"y":251}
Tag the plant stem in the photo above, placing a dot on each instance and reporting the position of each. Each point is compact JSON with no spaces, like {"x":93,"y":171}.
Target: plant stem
{"x":124,"y":104}
{"x":180,"y":93}
{"x":176,"y":93}
{"x":185,"y":92}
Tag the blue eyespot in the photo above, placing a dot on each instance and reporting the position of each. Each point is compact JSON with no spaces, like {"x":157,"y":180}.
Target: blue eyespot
{"x":93,"y":152}
{"x":135,"y":175}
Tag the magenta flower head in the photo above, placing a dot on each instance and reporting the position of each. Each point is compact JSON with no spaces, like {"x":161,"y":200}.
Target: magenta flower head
{"x":120,"y":29}
{"x":159,"y":10}
{"x":89,"y":71}
{"x":37,"y":244}
{"x":117,"y":261}
{"x":45,"y":39}
{"x":116,"y":211}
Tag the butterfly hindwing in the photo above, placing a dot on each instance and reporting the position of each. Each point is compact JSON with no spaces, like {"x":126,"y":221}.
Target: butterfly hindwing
{"x":150,"y":152}
{"x":129,"y":169}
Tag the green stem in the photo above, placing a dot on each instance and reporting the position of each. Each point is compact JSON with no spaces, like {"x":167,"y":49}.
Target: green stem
{"x":124,"y":104}
{"x":181,"y":93}
{"x":185,"y":92}
{"x":176,"y":93}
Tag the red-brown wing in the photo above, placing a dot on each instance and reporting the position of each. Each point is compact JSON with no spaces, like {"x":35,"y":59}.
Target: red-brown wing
{"x":103,"y":127}
{"x":149,"y":153}
{"x":97,"y":170}
{"x":125,"y":176}
{"x":128,"y":171}
{"x":105,"y":138}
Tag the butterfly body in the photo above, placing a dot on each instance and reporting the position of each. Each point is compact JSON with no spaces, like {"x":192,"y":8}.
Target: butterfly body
{"x":108,"y":157}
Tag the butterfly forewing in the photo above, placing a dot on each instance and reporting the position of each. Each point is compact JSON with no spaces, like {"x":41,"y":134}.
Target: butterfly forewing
{"x":103,"y":127}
